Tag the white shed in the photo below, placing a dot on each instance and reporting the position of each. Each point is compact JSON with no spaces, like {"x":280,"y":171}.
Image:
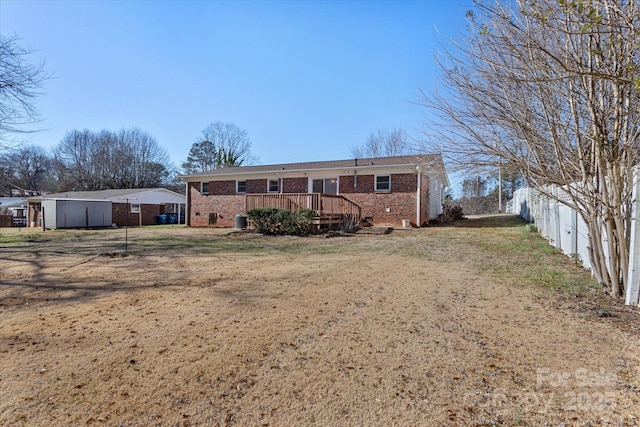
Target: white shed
{"x":127,"y":207}
{"x":75,"y":213}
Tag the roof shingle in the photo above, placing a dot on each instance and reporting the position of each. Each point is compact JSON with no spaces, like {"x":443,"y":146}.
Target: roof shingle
{"x":423,"y":159}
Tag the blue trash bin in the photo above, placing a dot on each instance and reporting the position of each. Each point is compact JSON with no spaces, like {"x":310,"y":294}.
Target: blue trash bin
{"x":161,"y":219}
{"x":172,"y":218}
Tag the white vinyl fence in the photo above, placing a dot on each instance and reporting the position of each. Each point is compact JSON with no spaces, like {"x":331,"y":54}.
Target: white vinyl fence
{"x":564,"y":228}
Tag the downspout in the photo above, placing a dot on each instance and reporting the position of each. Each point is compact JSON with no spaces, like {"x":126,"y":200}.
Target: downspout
{"x":355,"y":173}
{"x":419,"y":173}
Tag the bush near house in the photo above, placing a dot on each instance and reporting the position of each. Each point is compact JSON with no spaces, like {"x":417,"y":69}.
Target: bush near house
{"x":452,"y":213}
{"x":272,"y":221}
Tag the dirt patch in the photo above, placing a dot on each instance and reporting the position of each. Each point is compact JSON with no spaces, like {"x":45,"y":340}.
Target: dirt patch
{"x":201,"y":327}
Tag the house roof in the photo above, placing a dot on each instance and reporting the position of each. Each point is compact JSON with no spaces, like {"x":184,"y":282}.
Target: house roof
{"x":12,"y":202}
{"x":431,"y":163}
{"x":141,"y":195}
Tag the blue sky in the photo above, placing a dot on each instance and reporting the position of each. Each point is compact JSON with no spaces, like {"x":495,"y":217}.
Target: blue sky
{"x":306,"y":80}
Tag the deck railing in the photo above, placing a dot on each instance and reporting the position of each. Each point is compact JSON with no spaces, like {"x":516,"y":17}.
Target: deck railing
{"x":323,"y":204}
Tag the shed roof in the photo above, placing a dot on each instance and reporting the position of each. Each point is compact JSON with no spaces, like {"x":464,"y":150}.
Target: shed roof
{"x":140,"y":195}
{"x":12,"y":202}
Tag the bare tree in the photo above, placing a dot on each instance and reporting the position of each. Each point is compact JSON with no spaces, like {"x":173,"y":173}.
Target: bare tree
{"x":28,"y":168}
{"x":229,"y":145}
{"x":20,"y":83}
{"x":25,"y":171}
{"x":383,"y":143}
{"x":129,"y":158}
{"x":550,"y":88}
{"x":137,"y":161}
{"x":5,"y":177}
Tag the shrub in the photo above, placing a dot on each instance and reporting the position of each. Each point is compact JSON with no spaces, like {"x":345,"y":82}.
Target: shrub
{"x":452,"y":213}
{"x":272,"y":221}
{"x":262,"y":220}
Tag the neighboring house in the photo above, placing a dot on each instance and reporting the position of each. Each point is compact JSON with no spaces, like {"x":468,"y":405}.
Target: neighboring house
{"x":17,"y":209}
{"x":122,"y":207}
{"x":387,"y":191}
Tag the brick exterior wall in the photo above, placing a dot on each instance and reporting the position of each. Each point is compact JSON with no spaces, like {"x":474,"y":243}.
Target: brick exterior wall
{"x":256,"y":186}
{"x":401,"y":206}
{"x":294,"y":185}
{"x":222,"y":187}
{"x":401,"y":201}
{"x":224,"y":206}
{"x":404,"y":183}
{"x":364,"y":184}
{"x":424,"y":201}
{"x":121,"y":216}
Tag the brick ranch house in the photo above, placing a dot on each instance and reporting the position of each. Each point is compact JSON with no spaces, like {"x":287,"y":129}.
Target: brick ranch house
{"x":387,"y":190}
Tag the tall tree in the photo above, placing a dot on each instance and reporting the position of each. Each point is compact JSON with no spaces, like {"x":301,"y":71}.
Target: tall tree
{"x":383,"y":143}
{"x":128,"y":158}
{"x":219,"y":145}
{"x":203,"y":156}
{"x":20,"y":84}
{"x":551,"y":89}
{"x":25,"y":170}
{"x":477,"y":195}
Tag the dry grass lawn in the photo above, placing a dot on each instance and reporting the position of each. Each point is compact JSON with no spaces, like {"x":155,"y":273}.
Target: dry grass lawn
{"x":479,"y":324}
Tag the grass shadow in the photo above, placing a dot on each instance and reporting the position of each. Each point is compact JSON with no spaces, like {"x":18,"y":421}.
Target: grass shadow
{"x":491,"y":221}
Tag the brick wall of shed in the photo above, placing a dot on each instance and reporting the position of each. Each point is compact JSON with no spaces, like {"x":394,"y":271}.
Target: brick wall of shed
{"x":34,"y":214}
{"x":121,"y":216}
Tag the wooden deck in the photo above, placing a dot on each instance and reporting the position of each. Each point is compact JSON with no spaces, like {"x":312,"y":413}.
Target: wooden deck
{"x":330,"y":211}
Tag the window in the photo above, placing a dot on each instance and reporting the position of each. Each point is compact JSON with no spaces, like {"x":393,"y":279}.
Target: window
{"x":326,"y":186}
{"x":331,"y":186}
{"x":135,"y":207}
{"x":383,"y":183}
{"x":204,"y":188}
{"x":274,"y":185}
{"x":241,"y":186}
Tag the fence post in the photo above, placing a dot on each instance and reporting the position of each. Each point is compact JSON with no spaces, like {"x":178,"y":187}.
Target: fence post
{"x":574,"y":232}
{"x":556,"y":214}
{"x":633,"y":278}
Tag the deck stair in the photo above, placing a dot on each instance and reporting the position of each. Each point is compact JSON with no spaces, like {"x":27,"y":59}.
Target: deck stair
{"x":331,"y":211}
